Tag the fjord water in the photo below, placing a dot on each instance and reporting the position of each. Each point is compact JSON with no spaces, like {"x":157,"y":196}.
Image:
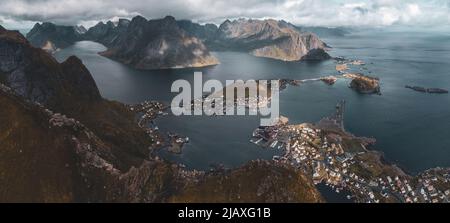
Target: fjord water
{"x":412,"y":128}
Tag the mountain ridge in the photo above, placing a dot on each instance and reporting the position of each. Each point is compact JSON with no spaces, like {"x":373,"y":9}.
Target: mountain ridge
{"x":169,"y":43}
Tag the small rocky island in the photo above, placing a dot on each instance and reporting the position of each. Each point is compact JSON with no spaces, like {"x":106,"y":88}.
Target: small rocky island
{"x":364,"y":84}
{"x":427,"y":90}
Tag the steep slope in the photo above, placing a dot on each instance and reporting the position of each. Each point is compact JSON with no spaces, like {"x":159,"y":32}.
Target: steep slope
{"x":269,"y":38}
{"x":48,"y":157}
{"x":159,"y":44}
{"x":68,"y":88}
{"x":52,"y":37}
{"x":39,"y":162}
{"x":34,"y":74}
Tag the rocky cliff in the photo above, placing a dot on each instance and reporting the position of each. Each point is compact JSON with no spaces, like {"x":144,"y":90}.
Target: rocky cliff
{"x":66,"y":88}
{"x":159,"y":44}
{"x":34,"y":74}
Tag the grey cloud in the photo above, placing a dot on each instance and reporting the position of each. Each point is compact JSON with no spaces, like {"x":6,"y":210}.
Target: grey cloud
{"x":361,"y":10}
{"x":302,"y":12}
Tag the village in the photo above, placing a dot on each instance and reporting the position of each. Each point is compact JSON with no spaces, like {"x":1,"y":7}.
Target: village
{"x":147,"y":112}
{"x":331,"y":156}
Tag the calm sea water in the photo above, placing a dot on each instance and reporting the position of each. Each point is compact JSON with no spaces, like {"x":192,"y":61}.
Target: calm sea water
{"x":412,"y":129}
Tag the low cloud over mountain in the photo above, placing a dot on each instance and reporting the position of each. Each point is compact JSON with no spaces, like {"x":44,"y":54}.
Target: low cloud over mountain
{"x":22,"y":13}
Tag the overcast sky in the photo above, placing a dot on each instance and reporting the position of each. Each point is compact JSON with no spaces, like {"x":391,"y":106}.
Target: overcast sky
{"x":24,"y":13}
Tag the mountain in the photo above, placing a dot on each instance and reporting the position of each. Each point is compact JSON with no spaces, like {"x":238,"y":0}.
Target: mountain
{"x":36,"y":75}
{"x":62,"y":142}
{"x":107,"y":33}
{"x":269,"y":38}
{"x":159,"y":44}
{"x":80,"y":29}
{"x":206,"y":33}
{"x":52,"y":37}
{"x":67,"y":88}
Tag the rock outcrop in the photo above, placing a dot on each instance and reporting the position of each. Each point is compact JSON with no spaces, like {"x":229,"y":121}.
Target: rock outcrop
{"x":34,"y":74}
{"x":52,"y":37}
{"x":159,"y":44}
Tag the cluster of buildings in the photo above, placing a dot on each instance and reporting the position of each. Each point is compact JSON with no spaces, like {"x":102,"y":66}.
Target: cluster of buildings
{"x":321,"y":155}
{"x":340,"y":160}
{"x":147,"y":111}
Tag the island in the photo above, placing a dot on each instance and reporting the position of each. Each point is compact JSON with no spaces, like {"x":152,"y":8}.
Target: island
{"x":427,"y":90}
{"x":364,"y":84}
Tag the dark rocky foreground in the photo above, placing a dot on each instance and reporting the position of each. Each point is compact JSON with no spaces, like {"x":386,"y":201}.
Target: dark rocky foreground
{"x":62,"y":142}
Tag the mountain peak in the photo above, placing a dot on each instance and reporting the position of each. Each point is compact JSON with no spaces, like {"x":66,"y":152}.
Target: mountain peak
{"x":138,"y":18}
{"x":170,"y":18}
{"x":123,"y":22}
{"x":52,"y":37}
{"x":12,"y":36}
